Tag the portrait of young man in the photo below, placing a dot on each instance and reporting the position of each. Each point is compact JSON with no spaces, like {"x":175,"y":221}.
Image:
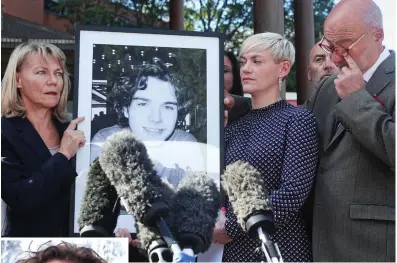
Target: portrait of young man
{"x":160,"y":95}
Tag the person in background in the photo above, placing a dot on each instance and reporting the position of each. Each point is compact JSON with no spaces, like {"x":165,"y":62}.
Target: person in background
{"x":320,"y":65}
{"x":280,"y":141}
{"x":37,"y":142}
{"x":233,"y":86}
{"x":64,"y":253}
{"x":354,"y":193}
{"x":231,"y":74}
{"x":235,"y":106}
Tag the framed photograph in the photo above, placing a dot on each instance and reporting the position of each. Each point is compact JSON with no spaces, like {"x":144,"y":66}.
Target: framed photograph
{"x":112,"y":250}
{"x":163,"y":85}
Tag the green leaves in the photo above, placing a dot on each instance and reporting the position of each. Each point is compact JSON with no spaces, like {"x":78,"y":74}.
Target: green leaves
{"x":234,"y":18}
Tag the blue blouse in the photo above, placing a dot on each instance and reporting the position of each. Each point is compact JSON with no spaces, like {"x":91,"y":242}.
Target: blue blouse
{"x":280,"y":141}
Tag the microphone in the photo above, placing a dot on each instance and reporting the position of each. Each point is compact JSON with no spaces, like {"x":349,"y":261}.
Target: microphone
{"x":195,"y":209}
{"x":100,"y":207}
{"x":153,"y":244}
{"x":125,"y":161}
{"x":249,"y":199}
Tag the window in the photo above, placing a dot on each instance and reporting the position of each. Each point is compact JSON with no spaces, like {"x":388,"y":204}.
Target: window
{"x":56,"y":7}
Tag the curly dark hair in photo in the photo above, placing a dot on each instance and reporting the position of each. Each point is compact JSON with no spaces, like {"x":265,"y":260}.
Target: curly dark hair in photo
{"x":64,"y":251}
{"x":125,"y":87}
{"x":237,"y":88}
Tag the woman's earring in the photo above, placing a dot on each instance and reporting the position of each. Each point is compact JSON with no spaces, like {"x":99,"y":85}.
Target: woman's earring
{"x":280,"y":83}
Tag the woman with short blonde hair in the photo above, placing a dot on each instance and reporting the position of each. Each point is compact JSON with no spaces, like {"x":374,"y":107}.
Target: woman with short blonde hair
{"x":280,"y":141}
{"x":36,"y":142}
{"x":278,"y":46}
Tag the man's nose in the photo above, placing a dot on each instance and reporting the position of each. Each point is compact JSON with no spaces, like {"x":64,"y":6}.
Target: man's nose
{"x":336,"y":58}
{"x":329,"y":64}
{"x":155,"y":115}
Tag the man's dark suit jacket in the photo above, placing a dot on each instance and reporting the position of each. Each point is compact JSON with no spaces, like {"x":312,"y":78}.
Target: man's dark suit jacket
{"x":354,"y":199}
{"x":34,"y":184}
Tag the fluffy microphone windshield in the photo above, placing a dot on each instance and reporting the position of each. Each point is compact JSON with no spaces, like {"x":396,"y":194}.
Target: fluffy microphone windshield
{"x":246,"y":191}
{"x":128,"y":167}
{"x":195,"y":209}
{"x":100,"y":208}
{"x":146,"y":235}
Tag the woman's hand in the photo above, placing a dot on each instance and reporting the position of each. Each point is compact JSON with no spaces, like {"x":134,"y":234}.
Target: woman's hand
{"x":123,"y":232}
{"x":72,"y":139}
{"x":220,"y":236}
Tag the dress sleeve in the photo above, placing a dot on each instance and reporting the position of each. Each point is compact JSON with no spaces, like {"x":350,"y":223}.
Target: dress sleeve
{"x":227,"y":134}
{"x":233,"y":229}
{"x":299,"y":167}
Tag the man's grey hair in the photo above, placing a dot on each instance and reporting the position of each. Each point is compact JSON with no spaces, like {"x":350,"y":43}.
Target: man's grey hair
{"x":372,"y":16}
{"x":280,"y":48}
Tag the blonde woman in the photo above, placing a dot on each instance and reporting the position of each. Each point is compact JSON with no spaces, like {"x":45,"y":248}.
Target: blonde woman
{"x":280,"y":141}
{"x":37,"y":143}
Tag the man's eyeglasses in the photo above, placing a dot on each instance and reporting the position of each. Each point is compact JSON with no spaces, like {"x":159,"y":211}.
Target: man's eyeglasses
{"x":329,"y":48}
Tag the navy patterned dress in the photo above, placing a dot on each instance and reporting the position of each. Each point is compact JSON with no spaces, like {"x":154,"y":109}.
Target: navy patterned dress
{"x":280,"y":141}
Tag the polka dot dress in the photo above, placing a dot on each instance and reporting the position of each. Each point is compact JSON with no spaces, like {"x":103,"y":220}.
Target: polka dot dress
{"x":280,"y":141}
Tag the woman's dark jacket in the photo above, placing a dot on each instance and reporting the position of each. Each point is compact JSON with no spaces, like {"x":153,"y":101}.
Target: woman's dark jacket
{"x":35,"y":185}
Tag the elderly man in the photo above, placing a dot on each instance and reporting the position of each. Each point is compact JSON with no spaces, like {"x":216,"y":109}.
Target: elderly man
{"x":354,"y":199}
{"x":320,"y":65}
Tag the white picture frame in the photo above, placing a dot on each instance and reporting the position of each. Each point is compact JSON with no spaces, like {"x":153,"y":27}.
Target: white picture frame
{"x":86,"y":94}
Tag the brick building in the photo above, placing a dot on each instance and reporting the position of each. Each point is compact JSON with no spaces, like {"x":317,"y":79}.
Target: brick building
{"x":42,"y":20}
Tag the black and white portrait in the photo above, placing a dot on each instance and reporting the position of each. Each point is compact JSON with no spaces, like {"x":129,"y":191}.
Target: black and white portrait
{"x":157,"y":93}
{"x":160,"y":87}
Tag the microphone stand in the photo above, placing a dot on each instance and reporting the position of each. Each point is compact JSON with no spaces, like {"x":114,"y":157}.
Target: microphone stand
{"x":155,"y":217}
{"x":269,"y":248}
{"x":261,"y":226}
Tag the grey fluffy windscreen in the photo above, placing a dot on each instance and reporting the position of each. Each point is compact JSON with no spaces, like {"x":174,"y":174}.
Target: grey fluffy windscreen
{"x":146,"y":235}
{"x":99,"y":201}
{"x":246,"y":190}
{"x":195,"y":207}
{"x":126,"y":163}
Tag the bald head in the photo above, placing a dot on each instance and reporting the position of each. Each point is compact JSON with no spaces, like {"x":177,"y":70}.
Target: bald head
{"x":355,"y":26}
{"x":320,"y":65}
{"x":315,"y":50}
{"x":364,"y":13}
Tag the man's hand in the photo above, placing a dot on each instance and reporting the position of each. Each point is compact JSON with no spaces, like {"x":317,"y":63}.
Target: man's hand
{"x":350,"y":79}
{"x":229,"y":102}
{"x":123,"y":232}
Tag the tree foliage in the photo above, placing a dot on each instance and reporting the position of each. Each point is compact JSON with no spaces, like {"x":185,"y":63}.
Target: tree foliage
{"x":321,"y":9}
{"x":148,"y":13}
{"x":121,"y":13}
{"x":233,"y":18}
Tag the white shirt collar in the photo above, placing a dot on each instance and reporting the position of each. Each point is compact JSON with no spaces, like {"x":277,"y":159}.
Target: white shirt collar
{"x":368,"y":74}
